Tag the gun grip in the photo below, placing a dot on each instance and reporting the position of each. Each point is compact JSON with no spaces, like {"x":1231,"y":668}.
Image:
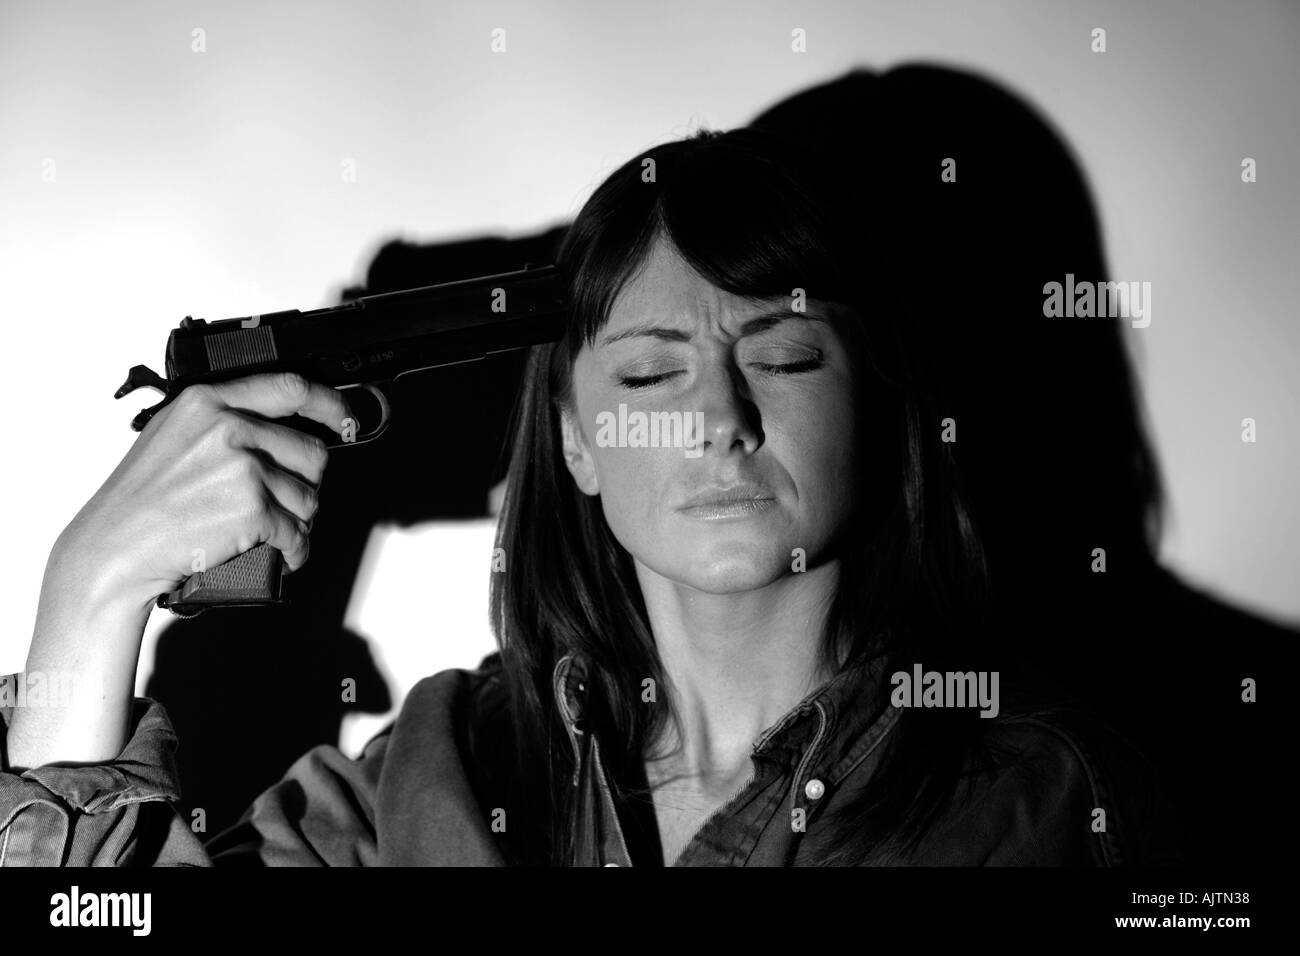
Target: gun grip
{"x":251,"y":578}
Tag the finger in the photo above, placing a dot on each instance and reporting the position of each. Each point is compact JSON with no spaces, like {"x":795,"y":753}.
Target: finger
{"x":280,"y":394}
{"x":287,"y":533}
{"x":287,"y":448}
{"x":292,"y":493}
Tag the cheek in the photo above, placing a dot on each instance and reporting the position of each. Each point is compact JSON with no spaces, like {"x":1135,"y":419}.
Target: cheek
{"x":815,"y":432}
{"x":632,"y":483}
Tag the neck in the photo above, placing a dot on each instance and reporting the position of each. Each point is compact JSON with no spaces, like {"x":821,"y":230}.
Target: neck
{"x":736,"y":663}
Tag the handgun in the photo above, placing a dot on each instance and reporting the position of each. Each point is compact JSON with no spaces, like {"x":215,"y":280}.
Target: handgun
{"x":363,"y":345}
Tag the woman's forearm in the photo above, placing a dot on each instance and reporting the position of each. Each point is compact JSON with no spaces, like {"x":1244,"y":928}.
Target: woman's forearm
{"x":79,"y":680}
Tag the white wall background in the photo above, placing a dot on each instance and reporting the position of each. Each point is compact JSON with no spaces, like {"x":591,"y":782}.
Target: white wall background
{"x":209,"y":184}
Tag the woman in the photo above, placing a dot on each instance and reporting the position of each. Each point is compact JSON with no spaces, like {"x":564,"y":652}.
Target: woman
{"x":714,"y":649}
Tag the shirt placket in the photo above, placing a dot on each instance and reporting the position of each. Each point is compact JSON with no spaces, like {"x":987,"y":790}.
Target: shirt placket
{"x":807,"y":788}
{"x":739,"y":824}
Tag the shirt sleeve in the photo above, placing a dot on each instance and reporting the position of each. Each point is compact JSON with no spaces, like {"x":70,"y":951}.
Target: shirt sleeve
{"x":122,"y":812}
{"x":321,"y":814}
{"x":115,"y":813}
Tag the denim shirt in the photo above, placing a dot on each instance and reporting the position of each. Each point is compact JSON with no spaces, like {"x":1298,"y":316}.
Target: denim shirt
{"x":411,"y":797}
{"x":800,"y":764}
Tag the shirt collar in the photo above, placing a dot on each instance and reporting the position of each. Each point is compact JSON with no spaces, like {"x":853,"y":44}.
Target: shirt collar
{"x":835,"y":727}
{"x":828,"y":733}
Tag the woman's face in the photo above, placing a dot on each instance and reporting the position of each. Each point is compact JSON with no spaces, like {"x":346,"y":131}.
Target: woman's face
{"x":773,"y":467}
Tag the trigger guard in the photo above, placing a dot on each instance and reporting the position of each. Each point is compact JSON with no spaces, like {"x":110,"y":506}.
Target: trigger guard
{"x":385,"y":415}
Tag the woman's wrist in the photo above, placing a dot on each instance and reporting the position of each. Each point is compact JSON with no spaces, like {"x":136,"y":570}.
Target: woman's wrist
{"x":80,"y":575}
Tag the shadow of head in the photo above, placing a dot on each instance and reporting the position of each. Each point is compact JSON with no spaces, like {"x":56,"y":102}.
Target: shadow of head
{"x":972,"y":204}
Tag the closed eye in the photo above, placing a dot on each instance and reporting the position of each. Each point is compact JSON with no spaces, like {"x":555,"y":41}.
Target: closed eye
{"x":791,"y":368}
{"x":645,"y":381}
{"x":768,"y":368}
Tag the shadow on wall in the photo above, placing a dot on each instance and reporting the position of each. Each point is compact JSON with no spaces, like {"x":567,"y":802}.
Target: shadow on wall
{"x":1051,"y":445}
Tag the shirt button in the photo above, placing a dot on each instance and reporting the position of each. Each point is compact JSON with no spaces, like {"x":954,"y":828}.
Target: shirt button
{"x":814,"y":788}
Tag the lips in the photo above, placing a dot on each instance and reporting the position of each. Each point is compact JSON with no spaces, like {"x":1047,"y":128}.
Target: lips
{"x":740,"y":495}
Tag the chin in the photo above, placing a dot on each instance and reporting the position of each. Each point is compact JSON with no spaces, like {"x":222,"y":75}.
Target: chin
{"x":735,"y":567}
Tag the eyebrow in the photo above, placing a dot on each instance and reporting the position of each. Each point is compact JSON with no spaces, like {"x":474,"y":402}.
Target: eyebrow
{"x":751,"y":326}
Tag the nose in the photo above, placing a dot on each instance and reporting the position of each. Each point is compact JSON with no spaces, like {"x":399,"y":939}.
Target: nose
{"x":731,"y":419}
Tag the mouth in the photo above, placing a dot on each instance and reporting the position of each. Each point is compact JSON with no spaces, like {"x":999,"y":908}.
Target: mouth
{"x":736,"y":502}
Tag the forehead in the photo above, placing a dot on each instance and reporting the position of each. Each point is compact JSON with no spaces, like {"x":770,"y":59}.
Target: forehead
{"x":667,"y":289}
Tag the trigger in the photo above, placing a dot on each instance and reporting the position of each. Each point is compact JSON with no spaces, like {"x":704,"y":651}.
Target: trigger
{"x":141,"y":376}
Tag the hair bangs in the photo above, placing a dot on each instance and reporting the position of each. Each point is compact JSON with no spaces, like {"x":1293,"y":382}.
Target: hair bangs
{"x":749,"y":222}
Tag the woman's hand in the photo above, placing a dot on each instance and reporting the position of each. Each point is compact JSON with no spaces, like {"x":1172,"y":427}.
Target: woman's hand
{"x":208,"y":477}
